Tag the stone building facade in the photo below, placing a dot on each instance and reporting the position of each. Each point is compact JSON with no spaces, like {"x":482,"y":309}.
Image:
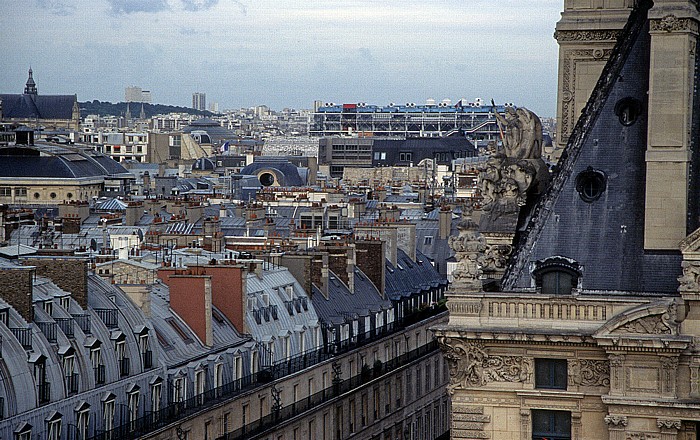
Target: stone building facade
{"x":590,"y":329}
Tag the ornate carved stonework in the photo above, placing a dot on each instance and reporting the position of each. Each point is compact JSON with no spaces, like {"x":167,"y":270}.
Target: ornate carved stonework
{"x":671,"y":23}
{"x":690,"y":280}
{"x":568,"y":80}
{"x":668,"y":424}
{"x":662,"y":324}
{"x":617,"y":421}
{"x":642,"y":436}
{"x":470,"y":365}
{"x":469,"y":247}
{"x":602,"y":35}
{"x":588,"y":372}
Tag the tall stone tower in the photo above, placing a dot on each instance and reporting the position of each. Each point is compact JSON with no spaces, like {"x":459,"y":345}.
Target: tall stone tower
{"x":586,"y":35}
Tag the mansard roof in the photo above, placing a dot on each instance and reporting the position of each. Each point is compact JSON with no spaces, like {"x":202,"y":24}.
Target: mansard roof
{"x":605,"y":236}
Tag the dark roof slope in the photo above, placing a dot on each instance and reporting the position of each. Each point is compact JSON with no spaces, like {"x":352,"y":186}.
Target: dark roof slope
{"x":606,"y":236}
{"x":38,"y":106}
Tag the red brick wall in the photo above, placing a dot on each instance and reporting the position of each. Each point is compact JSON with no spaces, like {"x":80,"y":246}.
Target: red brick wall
{"x":187,"y":299}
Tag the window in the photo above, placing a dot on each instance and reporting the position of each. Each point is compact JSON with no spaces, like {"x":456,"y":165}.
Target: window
{"x":120,"y":347}
{"x":133,"y":408}
{"x":108,"y":414}
{"x":551,"y":425}
{"x":36,"y":195}
{"x":5,"y":316}
{"x":550,"y":373}
{"x":20,"y":192}
{"x":591,"y":184}
{"x":96,"y":361}
{"x":405,"y":157}
{"x":556,"y":275}
{"x":82,"y":422}
{"x":71,"y":376}
{"x":5,"y":191}
{"x":156,"y":394}
{"x":53,"y":427}
{"x":218,"y":377}
{"x":200,"y":385}
{"x":428,"y":240}
{"x":145,"y":349}
{"x":24,"y":432}
{"x":628,"y":110}
{"x":179,"y":390}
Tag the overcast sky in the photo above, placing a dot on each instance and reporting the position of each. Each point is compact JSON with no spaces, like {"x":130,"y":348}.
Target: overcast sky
{"x":285,"y":53}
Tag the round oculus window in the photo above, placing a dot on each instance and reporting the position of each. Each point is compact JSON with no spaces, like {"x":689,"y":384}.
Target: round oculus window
{"x":267,"y":179}
{"x":591,"y":184}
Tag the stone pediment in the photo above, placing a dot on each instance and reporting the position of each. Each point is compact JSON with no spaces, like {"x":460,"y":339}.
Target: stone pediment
{"x":691,"y":243}
{"x":660,"y":318}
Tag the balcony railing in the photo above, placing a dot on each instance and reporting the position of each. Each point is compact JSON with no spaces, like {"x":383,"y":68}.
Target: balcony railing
{"x":66,"y":326}
{"x":44,"y":392}
{"x":180,"y":410}
{"x":24,"y":336}
{"x":99,"y":374}
{"x":83,"y":322}
{"x":124,"y":366}
{"x":48,"y":329}
{"x":109,"y":316}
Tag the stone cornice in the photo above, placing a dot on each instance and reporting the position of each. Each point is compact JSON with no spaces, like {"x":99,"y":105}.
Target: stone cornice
{"x":586,"y":36}
{"x":514,"y":335}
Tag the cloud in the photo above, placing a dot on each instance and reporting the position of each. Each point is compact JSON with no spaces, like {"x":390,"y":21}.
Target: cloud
{"x":119,"y":7}
{"x":188,"y":31}
{"x":57,"y":7}
{"x":198,"y":5}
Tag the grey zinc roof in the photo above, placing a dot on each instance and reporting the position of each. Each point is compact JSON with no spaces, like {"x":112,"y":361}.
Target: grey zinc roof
{"x":411,"y":277}
{"x":273,"y":283}
{"x":342,"y":303}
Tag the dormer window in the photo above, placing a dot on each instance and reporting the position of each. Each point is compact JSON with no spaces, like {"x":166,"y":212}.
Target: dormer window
{"x":556,"y":275}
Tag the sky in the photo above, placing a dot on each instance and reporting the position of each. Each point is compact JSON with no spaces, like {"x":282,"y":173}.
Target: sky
{"x":285,"y":53}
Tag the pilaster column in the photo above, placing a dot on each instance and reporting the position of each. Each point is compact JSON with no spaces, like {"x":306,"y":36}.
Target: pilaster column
{"x":616,"y":426}
{"x":669,"y":428}
{"x":673,"y":26}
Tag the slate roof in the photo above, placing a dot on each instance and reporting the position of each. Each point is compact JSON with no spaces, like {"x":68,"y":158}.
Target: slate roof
{"x":37,"y":106}
{"x":53,"y":161}
{"x":605,"y":236}
{"x":410,"y":277}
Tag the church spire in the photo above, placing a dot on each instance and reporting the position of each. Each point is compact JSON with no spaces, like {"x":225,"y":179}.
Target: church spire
{"x":127,"y":116}
{"x":142,"y":115}
{"x":30,"y":87}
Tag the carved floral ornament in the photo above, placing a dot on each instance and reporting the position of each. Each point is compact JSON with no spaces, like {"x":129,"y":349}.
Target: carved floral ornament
{"x":668,"y":424}
{"x":589,"y":372}
{"x":671,"y":23}
{"x":617,"y":421}
{"x":471,"y":366}
{"x":587,"y":35}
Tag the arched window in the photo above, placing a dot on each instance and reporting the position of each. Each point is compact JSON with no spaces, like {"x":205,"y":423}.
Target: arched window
{"x":556,"y":275}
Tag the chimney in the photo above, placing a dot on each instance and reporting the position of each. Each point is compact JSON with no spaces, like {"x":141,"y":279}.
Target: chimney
{"x":146,"y":182}
{"x":213,"y":237}
{"x":313,"y":170}
{"x":222,"y":211}
{"x":341,"y":261}
{"x":319,"y":272}
{"x":17,"y":289}
{"x":445,"y":222}
{"x":69,"y":273}
{"x":300,"y":267}
{"x":139,"y":294}
{"x":191,"y":299}
{"x":194,"y":212}
{"x":134,"y":210}
{"x":369,"y":257}
{"x":228,"y":292}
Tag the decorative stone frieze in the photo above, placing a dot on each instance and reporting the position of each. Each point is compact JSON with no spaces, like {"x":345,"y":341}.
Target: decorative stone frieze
{"x":587,"y":35}
{"x":589,"y":372}
{"x":642,"y":436}
{"x":616,"y":421}
{"x":471,"y":366}
{"x":671,"y":23}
